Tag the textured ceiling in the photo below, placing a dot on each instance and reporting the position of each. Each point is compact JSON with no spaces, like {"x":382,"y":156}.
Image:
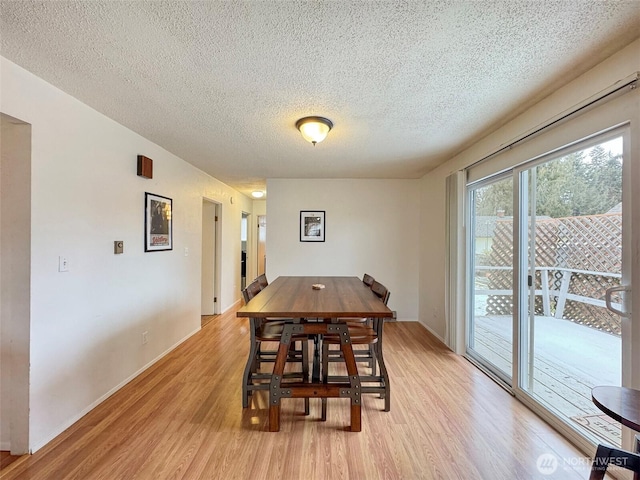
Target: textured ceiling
{"x":221,"y":84}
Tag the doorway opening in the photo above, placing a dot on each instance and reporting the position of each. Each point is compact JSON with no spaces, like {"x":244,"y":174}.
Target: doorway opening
{"x":211,"y":235}
{"x":244,"y":245}
{"x":262,"y":244}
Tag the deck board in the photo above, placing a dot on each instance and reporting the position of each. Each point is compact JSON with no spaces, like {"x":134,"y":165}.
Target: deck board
{"x":561,"y":381}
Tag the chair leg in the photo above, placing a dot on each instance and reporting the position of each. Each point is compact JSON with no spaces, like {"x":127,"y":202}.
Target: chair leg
{"x":372,"y":322}
{"x":621,"y":458}
{"x":256,"y":359}
{"x":377,"y":348}
{"x":325,"y":378}
{"x":305,"y":360}
{"x":255,"y":362}
{"x":248,"y":369}
{"x":600,"y":463}
{"x":372,"y":361}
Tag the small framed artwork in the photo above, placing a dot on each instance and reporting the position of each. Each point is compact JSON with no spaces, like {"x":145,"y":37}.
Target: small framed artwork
{"x":158,"y":223}
{"x":312,"y":226}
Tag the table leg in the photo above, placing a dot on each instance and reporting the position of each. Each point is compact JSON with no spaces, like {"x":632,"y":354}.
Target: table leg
{"x":276,"y":379}
{"x":356,"y":418}
{"x":354,"y":379}
{"x":274,"y":418}
{"x":351,"y":390}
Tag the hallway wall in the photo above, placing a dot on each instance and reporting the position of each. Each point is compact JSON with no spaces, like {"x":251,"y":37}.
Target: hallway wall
{"x":86,"y":324}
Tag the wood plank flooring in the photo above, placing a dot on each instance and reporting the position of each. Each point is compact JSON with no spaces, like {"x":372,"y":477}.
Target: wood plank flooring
{"x":6,"y":459}
{"x":183,"y":419}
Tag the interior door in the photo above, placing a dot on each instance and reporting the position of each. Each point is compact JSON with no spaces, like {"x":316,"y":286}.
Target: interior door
{"x":208,"y":265}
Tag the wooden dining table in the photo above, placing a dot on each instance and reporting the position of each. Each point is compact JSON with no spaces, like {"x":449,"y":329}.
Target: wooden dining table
{"x":295,"y":298}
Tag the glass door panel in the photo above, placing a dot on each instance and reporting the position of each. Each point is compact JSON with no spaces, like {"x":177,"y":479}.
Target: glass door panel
{"x":571,"y":234}
{"x":490,"y":334}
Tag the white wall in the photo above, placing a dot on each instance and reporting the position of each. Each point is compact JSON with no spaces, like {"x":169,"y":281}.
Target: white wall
{"x":432,"y":191}
{"x":372,"y":226}
{"x":259,"y":207}
{"x":87,"y":324}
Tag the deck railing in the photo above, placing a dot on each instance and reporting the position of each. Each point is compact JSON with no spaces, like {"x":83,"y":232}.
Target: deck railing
{"x":577,"y":260}
{"x":553,"y":287}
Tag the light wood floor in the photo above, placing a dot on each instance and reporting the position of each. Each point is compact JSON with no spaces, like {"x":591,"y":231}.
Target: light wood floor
{"x":205,"y":319}
{"x":183,"y":419}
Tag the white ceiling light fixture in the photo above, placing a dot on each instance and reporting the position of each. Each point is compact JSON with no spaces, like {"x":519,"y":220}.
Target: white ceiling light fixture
{"x":314,"y":129}
{"x":257,"y":194}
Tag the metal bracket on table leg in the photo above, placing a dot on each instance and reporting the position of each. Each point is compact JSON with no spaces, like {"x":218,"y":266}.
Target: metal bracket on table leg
{"x":289,"y":330}
{"x":354,"y":391}
{"x":275,"y":390}
{"x":276,"y":393}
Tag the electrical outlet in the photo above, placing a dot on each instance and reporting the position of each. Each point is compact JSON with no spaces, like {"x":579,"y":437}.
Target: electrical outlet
{"x":144,"y":338}
{"x":63,"y":264}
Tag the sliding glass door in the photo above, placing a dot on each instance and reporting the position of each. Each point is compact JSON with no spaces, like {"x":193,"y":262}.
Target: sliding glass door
{"x":572,"y":239}
{"x":545,"y":245}
{"x":490,"y":327}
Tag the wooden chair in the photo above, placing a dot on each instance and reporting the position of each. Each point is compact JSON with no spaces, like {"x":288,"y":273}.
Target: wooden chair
{"x":269,"y":330}
{"x":262,"y":281}
{"x":367,"y":355}
{"x":364,"y":355}
{"x":606,"y":456}
{"x":361,"y":334}
{"x":368,"y":280}
{"x":251,"y":291}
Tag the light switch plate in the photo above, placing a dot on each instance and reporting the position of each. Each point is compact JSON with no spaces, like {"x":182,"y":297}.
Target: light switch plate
{"x":63,"y":264}
{"x":118,"y":246}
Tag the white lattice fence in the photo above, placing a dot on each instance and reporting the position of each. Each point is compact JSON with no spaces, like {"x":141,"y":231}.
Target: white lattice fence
{"x":584,"y":252}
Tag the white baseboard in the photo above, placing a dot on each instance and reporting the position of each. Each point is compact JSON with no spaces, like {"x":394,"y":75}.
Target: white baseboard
{"x":432,"y":332}
{"x":232,"y":306}
{"x":5,"y":446}
{"x":61,"y":428}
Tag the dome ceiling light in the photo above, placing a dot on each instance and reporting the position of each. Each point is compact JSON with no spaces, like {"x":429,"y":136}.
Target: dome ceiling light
{"x":314,"y":129}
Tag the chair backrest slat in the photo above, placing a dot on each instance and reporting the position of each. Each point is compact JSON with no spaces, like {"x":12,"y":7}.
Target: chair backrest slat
{"x":262,"y":281}
{"x":380,"y":291}
{"x":251,"y":291}
{"x":368,"y":280}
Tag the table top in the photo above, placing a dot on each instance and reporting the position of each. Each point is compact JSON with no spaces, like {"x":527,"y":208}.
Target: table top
{"x":293,"y":297}
{"x":620,"y":403}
